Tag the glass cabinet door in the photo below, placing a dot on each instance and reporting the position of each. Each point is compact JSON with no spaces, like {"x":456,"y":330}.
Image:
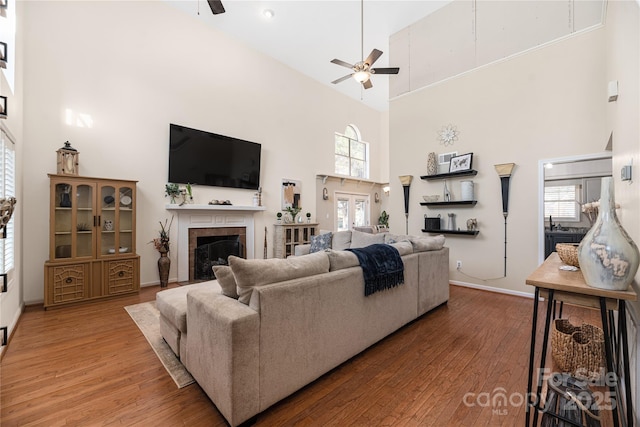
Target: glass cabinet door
{"x":125,"y":216}
{"x":73,"y":220}
{"x":107,"y":220}
{"x":116,"y":220}
{"x":85,"y":217}
{"x":63,"y":220}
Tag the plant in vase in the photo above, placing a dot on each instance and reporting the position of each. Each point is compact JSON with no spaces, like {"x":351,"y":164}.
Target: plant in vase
{"x":161,"y":243}
{"x":172,"y":190}
{"x":293,"y":211}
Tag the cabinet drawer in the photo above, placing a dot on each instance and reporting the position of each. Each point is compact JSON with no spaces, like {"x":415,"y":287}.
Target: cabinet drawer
{"x":67,"y":283}
{"x":121,"y":276}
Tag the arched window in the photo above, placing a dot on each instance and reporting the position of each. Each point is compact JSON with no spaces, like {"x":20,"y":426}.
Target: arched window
{"x":351,"y":154}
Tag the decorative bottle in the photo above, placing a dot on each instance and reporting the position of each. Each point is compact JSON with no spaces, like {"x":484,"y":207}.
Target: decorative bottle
{"x":608,"y":257}
{"x":432,"y":167}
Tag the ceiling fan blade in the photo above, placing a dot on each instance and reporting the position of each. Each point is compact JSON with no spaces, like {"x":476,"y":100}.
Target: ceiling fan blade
{"x":393,"y":70}
{"x":216,"y":6}
{"x":341,"y":79}
{"x":373,"y":57}
{"x":339,"y":62}
{"x":367,"y":84}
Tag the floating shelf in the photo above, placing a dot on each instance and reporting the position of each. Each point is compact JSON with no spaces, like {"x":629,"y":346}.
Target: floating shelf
{"x":464,"y":232}
{"x":471,"y":172}
{"x":452,"y":203}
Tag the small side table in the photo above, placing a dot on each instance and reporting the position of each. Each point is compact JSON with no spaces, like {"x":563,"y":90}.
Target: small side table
{"x":554,"y":284}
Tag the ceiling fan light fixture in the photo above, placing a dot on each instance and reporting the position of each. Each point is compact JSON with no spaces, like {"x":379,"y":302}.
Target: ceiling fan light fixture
{"x":361,"y":76}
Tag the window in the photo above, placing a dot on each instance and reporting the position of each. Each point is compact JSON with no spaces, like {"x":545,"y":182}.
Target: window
{"x":351,"y":154}
{"x":562,"y":202}
{"x":7,"y":189}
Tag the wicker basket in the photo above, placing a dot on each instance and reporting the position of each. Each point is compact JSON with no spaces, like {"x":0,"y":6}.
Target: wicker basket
{"x":568,"y":253}
{"x":578,"y":349}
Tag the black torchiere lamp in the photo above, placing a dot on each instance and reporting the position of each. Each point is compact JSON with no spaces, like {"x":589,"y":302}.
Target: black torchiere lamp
{"x":504,"y":171}
{"x":405,"y":180}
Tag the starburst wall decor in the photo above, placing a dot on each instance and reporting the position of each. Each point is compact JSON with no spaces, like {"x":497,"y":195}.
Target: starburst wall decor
{"x":448,"y":135}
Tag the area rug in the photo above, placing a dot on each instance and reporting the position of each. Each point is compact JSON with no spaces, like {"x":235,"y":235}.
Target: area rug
{"x":147,"y":317}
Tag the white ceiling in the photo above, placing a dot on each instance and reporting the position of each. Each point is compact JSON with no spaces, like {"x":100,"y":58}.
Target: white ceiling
{"x":307,"y":34}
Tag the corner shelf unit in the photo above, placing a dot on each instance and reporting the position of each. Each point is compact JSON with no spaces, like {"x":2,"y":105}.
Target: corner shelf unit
{"x":470,"y":172}
{"x":462,"y":232}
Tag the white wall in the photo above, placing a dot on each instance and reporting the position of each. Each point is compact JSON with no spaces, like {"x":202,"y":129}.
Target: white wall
{"x":548,"y":102}
{"x":135,"y":67}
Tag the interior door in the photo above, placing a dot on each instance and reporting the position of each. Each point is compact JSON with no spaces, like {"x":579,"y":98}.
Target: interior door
{"x":352,"y":210}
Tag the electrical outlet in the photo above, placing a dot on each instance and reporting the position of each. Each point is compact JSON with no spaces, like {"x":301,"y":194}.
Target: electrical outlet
{"x":458,"y":265}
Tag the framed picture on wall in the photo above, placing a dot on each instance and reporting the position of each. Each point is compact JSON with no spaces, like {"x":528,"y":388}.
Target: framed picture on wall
{"x":461,"y":163}
{"x":291,"y":194}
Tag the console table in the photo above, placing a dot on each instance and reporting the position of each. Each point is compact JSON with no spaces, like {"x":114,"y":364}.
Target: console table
{"x":554,"y":284}
{"x":288,"y":236}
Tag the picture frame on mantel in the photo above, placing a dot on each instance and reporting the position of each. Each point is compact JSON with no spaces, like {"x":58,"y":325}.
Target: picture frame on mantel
{"x":291,"y":194}
{"x":461,"y":163}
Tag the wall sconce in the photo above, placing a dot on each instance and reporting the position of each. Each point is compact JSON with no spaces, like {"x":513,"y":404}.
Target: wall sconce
{"x":386,"y":190}
{"x":67,"y":160}
{"x":504,"y":172}
{"x":3,"y":55}
{"x":3,"y":107}
{"x":405,"y":180}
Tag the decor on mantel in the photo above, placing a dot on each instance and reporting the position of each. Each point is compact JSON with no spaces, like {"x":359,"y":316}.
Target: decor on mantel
{"x":504,"y":172}
{"x":608,"y":257}
{"x":162,"y":245}
{"x":171,"y":190}
{"x":405,"y":180}
{"x":68,"y":160}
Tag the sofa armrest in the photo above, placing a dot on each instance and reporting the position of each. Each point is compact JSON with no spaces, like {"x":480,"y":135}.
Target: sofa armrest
{"x":223,"y":352}
{"x":302,"y":249}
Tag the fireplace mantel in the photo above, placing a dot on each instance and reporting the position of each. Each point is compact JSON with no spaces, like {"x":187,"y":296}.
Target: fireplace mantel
{"x":204,"y":216}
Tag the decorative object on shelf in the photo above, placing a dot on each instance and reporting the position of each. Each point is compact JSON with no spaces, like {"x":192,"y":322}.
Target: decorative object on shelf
{"x":446,"y":194}
{"x":383,"y":219}
{"x":466,"y":190}
{"x":279,"y":217}
{"x":608,"y":257}
{"x":432,"y":198}
{"x":291,"y":193}
{"x":68,"y":160}
{"x":7,"y":205}
{"x":108,"y":200}
{"x":257,"y":197}
{"x":125,"y":200}
{"x":432,"y":223}
{"x":187,"y":194}
{"x":293,"y":212}
{"x":325,"y":194}
{"x":432,"y":165}
{"x":161,"y":244}
{"x":220,"y":202}
{"x":83,"y":227}
{"x":448,"y":135}
{"x":451,"y":223}
{"x":405,"y":180}
{"x":107,"y":225}
{"x":3,"y":55}
{"x":461,"y":163}
{"x":3,"y":107}
{"x":65,"y":197}
{"x":568,"y":253}
{"x":308,"y":214}
{"x":472,"y":224}
{"x":173,"y":191}
{"x":504,"y":172}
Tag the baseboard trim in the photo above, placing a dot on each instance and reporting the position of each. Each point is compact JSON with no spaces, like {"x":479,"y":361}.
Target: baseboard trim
{"x":491,"y":289}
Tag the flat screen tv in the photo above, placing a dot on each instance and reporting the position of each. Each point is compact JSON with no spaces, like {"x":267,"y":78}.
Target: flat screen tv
{"x":204,"y":158}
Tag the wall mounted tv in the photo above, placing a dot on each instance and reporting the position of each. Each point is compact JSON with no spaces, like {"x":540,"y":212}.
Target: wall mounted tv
{"x":204,"y":158}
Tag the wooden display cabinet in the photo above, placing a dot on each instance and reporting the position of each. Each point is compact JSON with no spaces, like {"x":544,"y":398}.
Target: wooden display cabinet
{"x":92,"y":247}
{"x":288,"y":236}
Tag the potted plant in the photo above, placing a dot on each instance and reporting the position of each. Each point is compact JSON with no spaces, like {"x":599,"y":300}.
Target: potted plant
{"x":293,"y":211}
{"x":279,"y":215}
{"x":161,"y":243}
{"x":172,"y":190}
{"x":384,"y":219}
{"x":308,"y":217}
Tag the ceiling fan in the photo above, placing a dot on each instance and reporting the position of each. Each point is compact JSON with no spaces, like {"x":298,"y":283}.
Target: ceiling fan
{"x":362,"y":70}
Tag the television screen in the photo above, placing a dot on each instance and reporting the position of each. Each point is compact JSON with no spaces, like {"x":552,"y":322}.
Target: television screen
{"x":204,"y":158}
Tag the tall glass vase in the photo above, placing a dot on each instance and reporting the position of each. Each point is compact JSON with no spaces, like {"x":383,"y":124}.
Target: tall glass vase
{"x":608,"y":257}
{"x":164,"y":265}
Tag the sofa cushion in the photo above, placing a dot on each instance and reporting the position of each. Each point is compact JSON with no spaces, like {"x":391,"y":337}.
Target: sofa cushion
{"x":250,"y":273}
{"x":403,"y":248}
{"x":320,"y":242}
{"x":341,"y":240}
{"x":226,"y":280}
{"x":427,"y":243}
{"x":360,"y":239}
{"x":339,"y":260}
{"x":390,"y":238}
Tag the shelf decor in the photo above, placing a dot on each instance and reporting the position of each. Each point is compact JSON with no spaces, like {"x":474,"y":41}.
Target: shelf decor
{"x":461,"y":163}
{"x":68,"y":160}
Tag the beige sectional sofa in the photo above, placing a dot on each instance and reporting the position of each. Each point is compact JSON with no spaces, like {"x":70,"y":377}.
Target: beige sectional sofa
{"x":293,"y":326}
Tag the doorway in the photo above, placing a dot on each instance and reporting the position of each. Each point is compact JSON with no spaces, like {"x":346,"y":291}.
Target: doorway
{"x":351,"y":210}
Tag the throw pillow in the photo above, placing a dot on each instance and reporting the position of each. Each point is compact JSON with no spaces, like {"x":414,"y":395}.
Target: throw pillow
{"x":427,"y":243}
{"x":341,"y":240}
{"x":320,"y":242}
{"x":393,"y":238}
{"x":360,"y":239}
{"x":251,"y":273}
{"x":226,"y":280}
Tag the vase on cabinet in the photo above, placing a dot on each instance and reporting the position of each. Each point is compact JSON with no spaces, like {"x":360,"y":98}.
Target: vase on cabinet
{"x":608,"y":257}
{"x":164,"y":265}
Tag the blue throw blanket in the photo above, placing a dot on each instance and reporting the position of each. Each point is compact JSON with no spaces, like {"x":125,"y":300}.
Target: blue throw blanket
{"x":382,"y":267}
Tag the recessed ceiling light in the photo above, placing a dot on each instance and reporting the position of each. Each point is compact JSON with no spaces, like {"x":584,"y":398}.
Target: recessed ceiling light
{"x":268,"y":13}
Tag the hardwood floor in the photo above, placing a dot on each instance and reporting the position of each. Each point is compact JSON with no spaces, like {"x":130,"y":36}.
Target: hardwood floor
{"x":90,"y":365}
